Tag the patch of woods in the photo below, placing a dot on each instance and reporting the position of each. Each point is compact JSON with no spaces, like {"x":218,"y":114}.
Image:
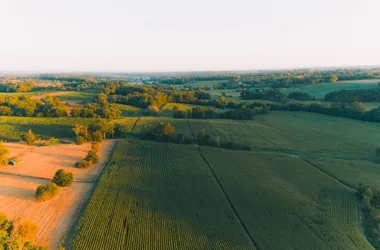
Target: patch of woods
{"x":165,"y":132}
{"x":51,"y":106}
{"x":370,"y":204}
{"x":15,"y":235}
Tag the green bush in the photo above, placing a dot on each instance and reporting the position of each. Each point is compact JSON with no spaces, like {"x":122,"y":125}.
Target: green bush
{"x":46,"y":192}
{"x":95,"y":147}
{"x":80,"y":140}
{"x":83,"y":164}
{"x":29,"y":138}
{"x":92,"y":156}
{"x":63,"y":179}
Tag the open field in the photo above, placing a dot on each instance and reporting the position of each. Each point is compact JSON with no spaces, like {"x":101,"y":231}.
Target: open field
{"x":319,"y":90}
{"x":299,"y":133}
{"x":18,"y":185}
{"x":78,"y":96}
{"x":158,"y":196}
{"x":43,"y":162}
{"x":146,"y":123}
{"x":127,"y":110}
{"x":167,"y":109}
{"x":54,"y":217}
{"x":287,"y":203}
{"x":203,"y":84}
{"x":11,"y":128}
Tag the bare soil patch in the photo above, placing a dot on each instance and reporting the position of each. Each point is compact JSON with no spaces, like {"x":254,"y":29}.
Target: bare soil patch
{"x":19,"y":183}
{"x":43,"y":162}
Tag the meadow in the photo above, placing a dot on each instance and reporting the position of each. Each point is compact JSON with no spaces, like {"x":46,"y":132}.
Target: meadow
{"x":158,"y":196}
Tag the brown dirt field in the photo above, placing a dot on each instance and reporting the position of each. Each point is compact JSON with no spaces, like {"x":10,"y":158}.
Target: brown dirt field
{"x":43,"y":162}
{"x":54,"y":217}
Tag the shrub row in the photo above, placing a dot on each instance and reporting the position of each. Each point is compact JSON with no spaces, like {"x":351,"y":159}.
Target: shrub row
{"x":91,"y":158}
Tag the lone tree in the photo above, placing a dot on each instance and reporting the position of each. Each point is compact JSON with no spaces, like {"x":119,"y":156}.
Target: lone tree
{"x":46,"y":192}
{"x":27,"y":230}
{"x":164,"y":129}
{"x":4,"y":152}
{"x":63,"y":179}
{"x":29,"y":138}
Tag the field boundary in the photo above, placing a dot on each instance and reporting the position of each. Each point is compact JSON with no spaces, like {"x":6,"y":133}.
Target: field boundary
{"x":71,"y":232}
{"x":192,"y":132}
{"x":254,"y":243}
{"x":134,"y":125}
{"x":348,"y":186}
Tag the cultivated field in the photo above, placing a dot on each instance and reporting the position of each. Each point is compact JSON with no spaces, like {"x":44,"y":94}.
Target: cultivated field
{"x":286,"y":203}
{"x":18,"y":185}
{"x":158,"y":196}
{"x":11,"y":128}
{"x":299,"y":133}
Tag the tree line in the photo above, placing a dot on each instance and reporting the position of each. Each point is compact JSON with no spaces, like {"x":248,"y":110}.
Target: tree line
{"x":359,"y":95}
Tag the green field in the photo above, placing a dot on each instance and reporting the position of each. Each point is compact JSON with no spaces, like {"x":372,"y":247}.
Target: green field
{"x":11,"y":128}
{"x":203,"y":84}
{"x":158,"y":196}
{"x":78,"y":96}
{"x":127,"y":110}
{"x":287,"y":203}
{"x":319,"y":90}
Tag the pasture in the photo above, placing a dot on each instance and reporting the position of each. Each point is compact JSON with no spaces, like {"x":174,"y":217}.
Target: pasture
{"x":319,"y":90}
{"x":158,"y":196}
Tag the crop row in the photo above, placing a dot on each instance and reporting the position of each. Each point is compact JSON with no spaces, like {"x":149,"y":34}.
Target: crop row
{"x":158,"y":196}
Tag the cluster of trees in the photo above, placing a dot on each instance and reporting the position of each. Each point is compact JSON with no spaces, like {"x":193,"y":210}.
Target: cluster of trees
{"x":61,"y":179}
{"x":360,"y":95}
{"x":91,"y":158}
{"x":95,"y":132}
{"x":207,"y":113}
{"x":26,"y":86}
{"x":272,"y":95}
{"x":300,"y":96}
{"x":370,"y":203}
{"x":20,"y":238}
{"x":25,"y":106}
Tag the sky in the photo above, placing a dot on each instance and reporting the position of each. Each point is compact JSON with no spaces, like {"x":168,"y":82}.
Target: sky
{"x":196,"y":35}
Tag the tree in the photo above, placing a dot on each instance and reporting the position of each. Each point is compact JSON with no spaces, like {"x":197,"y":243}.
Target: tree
{"x":30,"y":138}
{"x":334,"y":79}
{"x":4,"y":152}
{"x":164,"y":129}
{"x":27,"y":230}
{"x":63,"y":179}
{"x":46,"y":192}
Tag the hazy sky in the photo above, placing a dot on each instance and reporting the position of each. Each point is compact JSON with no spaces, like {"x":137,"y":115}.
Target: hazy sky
{"x":151,"y":35}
